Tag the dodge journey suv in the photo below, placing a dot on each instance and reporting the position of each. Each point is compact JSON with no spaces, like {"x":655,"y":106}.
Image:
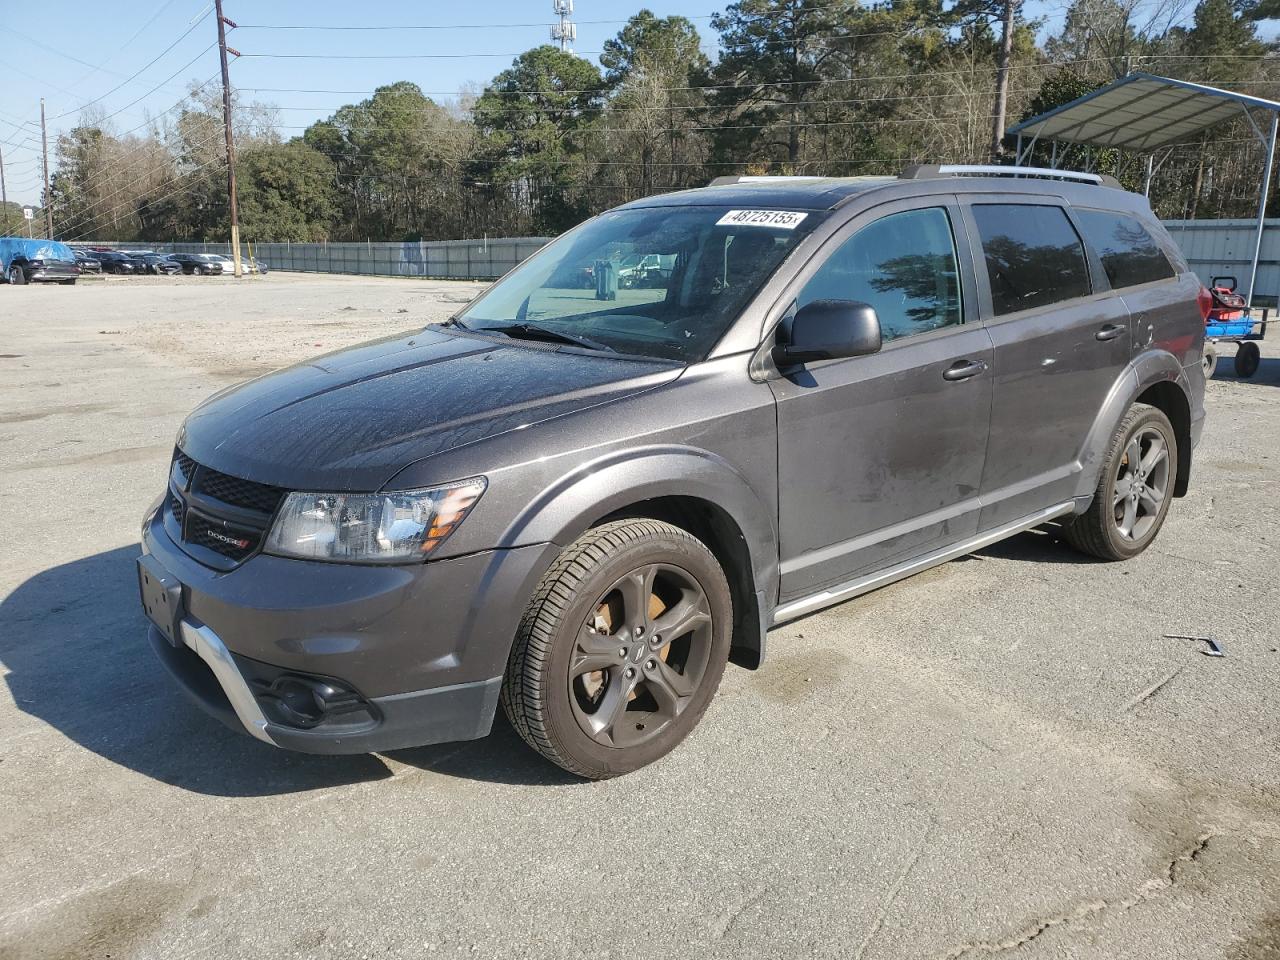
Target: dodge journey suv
{"x":582,"y":504}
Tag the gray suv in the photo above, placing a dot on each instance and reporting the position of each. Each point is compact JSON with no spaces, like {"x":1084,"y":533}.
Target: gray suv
{"x":582,"y":502}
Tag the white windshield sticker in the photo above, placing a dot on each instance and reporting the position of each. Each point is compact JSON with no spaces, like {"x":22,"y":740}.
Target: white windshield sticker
{"x":777,"y":219}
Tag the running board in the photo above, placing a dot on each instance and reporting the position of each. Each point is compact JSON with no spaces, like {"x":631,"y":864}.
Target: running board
{"x":882,"y":578}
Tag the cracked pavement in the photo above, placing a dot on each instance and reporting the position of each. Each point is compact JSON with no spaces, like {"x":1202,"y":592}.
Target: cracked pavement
{"x":1001,"y":756}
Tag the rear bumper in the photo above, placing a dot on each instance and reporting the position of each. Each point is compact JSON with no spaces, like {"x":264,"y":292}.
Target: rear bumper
{"x":416,"y":652}
{"x":53,"y":273}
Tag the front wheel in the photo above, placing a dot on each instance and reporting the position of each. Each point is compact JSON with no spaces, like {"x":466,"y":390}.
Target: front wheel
{"x":16,"y":276}
{"x":1134,"y":489}
{"x":621,"y":648}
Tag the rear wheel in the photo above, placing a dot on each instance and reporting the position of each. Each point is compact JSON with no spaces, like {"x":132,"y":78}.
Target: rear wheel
{"x":1134,"y":488}
{"x":1209,"y":359}
{"x":621,"y":648}
{"x":1248,"y":356}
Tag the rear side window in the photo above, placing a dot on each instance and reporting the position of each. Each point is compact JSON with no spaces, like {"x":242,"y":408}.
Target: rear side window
{"x":904,"y":265}
{"x":1034,"y":257}
{"x":1128,"y":252}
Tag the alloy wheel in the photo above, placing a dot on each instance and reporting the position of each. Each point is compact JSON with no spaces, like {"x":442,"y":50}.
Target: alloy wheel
{"x":1142,"y":483}
{"x":639,"y":658}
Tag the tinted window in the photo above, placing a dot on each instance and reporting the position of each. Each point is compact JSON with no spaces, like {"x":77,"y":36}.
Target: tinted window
{"x":1033,"y":255}
{"x":903,"y":265}
{"x":1129,"y":254}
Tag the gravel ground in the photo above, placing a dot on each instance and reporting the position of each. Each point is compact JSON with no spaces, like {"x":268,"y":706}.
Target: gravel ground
{"x":1002,"y":754}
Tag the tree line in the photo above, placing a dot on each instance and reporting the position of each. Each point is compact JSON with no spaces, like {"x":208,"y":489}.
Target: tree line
{"x":830,"y":87}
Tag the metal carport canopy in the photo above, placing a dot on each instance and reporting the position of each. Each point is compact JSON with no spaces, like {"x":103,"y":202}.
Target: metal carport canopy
{"x":1143,"y":112}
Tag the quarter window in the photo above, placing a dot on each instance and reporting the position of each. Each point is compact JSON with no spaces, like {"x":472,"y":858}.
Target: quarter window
{"x":1034,"y":257}
{"x":1129,"y":254}
{"x":903,"y":265}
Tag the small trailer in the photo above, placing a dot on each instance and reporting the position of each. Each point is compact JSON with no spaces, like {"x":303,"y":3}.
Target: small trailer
{"x":1229,"y":321}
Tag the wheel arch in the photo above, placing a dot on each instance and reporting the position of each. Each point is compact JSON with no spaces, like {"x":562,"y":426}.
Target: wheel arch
{"x":1156,"y":378}
{"x":688,"y":488}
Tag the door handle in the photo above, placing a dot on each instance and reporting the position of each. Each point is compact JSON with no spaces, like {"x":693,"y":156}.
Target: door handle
{"x":1109,"y":332}
{"x":964,"y":369}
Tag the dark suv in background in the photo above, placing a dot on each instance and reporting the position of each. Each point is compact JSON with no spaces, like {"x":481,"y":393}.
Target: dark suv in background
{"x":582,"y":505}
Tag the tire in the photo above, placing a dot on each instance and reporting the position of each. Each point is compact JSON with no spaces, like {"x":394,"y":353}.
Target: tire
{"x":202,"y":271}
{"x":1100,"y":531}
{"x":16,"y":277}
{"x":596,"y":696}
{"x":1248,"y":356}
{"x":1210,"y":359}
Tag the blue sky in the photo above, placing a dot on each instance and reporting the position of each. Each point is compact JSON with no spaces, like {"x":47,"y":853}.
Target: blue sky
{"x":89,"y":56}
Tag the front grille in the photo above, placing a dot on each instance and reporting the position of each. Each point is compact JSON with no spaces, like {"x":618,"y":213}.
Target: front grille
{"x":177,"y":507}
{"x":234,"y":544}
{"x":216,"y":512}
{"x":186,"y":466}
{"x":237,"y":492}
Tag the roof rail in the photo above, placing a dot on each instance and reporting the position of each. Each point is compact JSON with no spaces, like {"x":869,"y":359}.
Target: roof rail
{"x":722,"y":181}
{"x":928,"y":171}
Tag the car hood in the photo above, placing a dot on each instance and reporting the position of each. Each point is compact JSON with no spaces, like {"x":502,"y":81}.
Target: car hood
{"x":353,"y":419}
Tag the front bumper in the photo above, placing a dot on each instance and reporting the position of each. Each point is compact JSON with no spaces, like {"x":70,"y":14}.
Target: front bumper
{"x":420,"y":648}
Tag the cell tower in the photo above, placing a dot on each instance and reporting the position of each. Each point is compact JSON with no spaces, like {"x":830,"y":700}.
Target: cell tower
{"x":566,"y":31}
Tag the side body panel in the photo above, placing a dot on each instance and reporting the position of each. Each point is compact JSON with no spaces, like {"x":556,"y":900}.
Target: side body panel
{"x":879,"y":457}
{"x":1054,"y":366}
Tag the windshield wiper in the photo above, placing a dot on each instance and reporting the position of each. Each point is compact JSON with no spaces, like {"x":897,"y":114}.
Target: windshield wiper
{"x":533,"y":331}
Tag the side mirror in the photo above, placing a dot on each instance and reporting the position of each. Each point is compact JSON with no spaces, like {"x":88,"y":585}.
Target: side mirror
{"x":828,"y":330}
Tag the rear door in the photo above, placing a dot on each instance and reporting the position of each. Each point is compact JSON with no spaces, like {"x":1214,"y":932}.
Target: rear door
{"x":880,"y":457}
{"x":1163,"y":307}
{"x":1061,"y":339}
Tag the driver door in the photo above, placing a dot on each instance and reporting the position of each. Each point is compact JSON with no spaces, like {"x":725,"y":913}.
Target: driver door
{"x":880,"y":457}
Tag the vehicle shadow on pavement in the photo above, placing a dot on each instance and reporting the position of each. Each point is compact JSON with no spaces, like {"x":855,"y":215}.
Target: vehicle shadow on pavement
{"x":1041,"y":545}
{"x":73,"y":644}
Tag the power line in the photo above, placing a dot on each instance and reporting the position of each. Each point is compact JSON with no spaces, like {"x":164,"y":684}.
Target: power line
{"x":147,"y":66}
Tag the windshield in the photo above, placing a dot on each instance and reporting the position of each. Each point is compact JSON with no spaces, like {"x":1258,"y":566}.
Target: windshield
{"x":660,"y":282}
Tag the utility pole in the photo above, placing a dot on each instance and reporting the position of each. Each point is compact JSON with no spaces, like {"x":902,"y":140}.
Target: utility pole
{"x":1002,"y":81}
{"x":4,"y":194}
{"x":226,"y":123}
{"x":48,"y":205}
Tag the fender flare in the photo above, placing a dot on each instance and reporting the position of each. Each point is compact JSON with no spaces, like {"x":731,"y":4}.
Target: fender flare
{"x":1142,"y":372}
{"x":572,"y":504}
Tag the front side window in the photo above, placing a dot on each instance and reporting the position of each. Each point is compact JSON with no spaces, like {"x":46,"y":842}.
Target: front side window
{"x":663,"y":282}
{"x":1034,"y":257}
{"x":903,"y":265}
{"x":1129,"y":254}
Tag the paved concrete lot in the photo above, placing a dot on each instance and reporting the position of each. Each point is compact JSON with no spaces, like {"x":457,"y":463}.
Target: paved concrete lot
{"x":1002,"y":755}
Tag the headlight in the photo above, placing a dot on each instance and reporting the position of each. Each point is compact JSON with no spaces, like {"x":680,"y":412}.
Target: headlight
{"x":397,"y":527}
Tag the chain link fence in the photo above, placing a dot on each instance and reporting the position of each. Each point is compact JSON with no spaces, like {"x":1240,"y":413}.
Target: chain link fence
{"x":436,"y":259}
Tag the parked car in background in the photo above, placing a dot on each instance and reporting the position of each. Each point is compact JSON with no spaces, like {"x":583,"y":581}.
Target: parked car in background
{"x":196,"y":263}
{"x":157,"y":263}
{"x":88,"y":262}
{"x":582,"y":507}
{"x":36,"y":261}
{"x":247,"y":264}
{"x":115,"y":262}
